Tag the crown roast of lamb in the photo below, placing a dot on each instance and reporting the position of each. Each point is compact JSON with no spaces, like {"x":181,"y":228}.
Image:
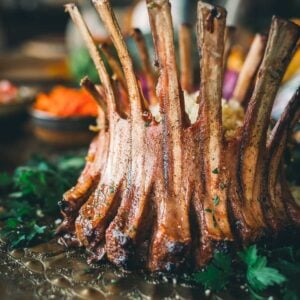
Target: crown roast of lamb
{"x":162,"y":191}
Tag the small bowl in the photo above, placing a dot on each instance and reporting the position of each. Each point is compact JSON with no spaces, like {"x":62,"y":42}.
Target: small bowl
{"x":62,"y":131}
{"x":13,"y":114}
{"x":24,"y":99}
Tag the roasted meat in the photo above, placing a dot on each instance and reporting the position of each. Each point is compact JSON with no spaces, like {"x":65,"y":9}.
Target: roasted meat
{"x":163,"y":192}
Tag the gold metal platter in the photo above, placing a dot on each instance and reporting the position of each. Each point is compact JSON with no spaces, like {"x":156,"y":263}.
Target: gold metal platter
{"x":48,"y":271}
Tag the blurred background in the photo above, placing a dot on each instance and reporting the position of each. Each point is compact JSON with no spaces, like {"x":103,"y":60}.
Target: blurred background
{"x":41,"y":50}
{"x":37,"y":40}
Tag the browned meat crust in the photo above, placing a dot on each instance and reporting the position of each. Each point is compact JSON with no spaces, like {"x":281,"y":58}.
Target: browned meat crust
{"x":164,"y":195}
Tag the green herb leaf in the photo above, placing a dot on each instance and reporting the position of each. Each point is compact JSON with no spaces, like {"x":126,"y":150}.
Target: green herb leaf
{"x":5,"y":180}
{"x":216,"y":200}
{"x":259,"y":275}
{"x":249,"y":256}
{"x":217,"y":274}
{"x":112,"y":189}
{"x":31,"y":200}
{"x":215,"y":171}
{"x":289,"y":294}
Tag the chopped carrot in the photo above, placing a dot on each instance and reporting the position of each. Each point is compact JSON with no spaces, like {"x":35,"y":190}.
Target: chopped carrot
{"x":67,"y":102}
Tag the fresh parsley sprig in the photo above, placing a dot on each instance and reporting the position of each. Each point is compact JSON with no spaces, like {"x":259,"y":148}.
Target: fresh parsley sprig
{"x":29,"y":198}
{"x":259,"y":270}
{"x":258,"y":274}
{"x":217,"y":274}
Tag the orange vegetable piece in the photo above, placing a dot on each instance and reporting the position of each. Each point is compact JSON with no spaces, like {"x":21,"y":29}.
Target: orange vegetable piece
{"x":67,"y":102}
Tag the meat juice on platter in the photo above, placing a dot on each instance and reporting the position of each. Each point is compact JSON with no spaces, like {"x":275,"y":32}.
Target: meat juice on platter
{"x":162,"y":192}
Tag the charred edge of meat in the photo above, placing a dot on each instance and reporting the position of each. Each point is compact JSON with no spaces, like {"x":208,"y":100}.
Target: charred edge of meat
{"x":167,"y":195}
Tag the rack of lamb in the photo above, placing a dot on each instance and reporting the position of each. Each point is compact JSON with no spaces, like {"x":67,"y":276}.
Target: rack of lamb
{"x":159,"y":190}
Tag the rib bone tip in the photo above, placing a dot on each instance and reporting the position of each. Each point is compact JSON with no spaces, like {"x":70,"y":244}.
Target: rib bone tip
{"x":69,"y":6}
{"x":83,"y":80}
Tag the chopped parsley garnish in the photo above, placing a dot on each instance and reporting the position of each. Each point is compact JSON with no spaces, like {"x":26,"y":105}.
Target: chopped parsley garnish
{"x":217,"y":274}
{"x":112,"y":189}
{"x":261,"y":271}
{"x":215,"y":171}
{"x":212,"y":212}
{"x":29,"y":198}
{"x":216,"y":200}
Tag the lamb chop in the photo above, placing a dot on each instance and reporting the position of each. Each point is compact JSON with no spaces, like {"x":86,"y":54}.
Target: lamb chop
{"x":165,"y":194}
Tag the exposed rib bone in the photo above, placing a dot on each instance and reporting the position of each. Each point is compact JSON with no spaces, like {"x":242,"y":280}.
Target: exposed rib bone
{"x":275,"y":148}
{"x":133,"y":206}
{"x":249,"y":70}
{"x":282,"y":40}
{"x":114,"y":64}
{"x":168,"y":87}
{"x":211,"y":26}
{"x":90,"y":87}
{"x":287,"y":120}
{"x":146,"y":64}
{"x":86,"y":35}
{"x":119,"y":81}
{"x":167,"y":240}
{"x":108,"y":17}
{"x":102,"y":110}
{"x":74,"y":198}
{"x":186,"y":58}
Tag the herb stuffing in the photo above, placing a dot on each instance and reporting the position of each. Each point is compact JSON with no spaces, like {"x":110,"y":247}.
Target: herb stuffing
{"x":28,"y":198}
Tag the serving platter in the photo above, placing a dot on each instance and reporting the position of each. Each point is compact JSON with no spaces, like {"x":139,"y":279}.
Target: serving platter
{"x":229,"y":208}
{"x":48,"y":271}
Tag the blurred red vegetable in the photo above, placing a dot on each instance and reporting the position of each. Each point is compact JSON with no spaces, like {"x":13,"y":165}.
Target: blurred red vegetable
{"x":8,"y":92}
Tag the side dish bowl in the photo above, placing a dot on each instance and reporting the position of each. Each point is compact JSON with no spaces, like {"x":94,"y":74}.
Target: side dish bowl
{"x":24,"y":98}
{"x":62,"y":131}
